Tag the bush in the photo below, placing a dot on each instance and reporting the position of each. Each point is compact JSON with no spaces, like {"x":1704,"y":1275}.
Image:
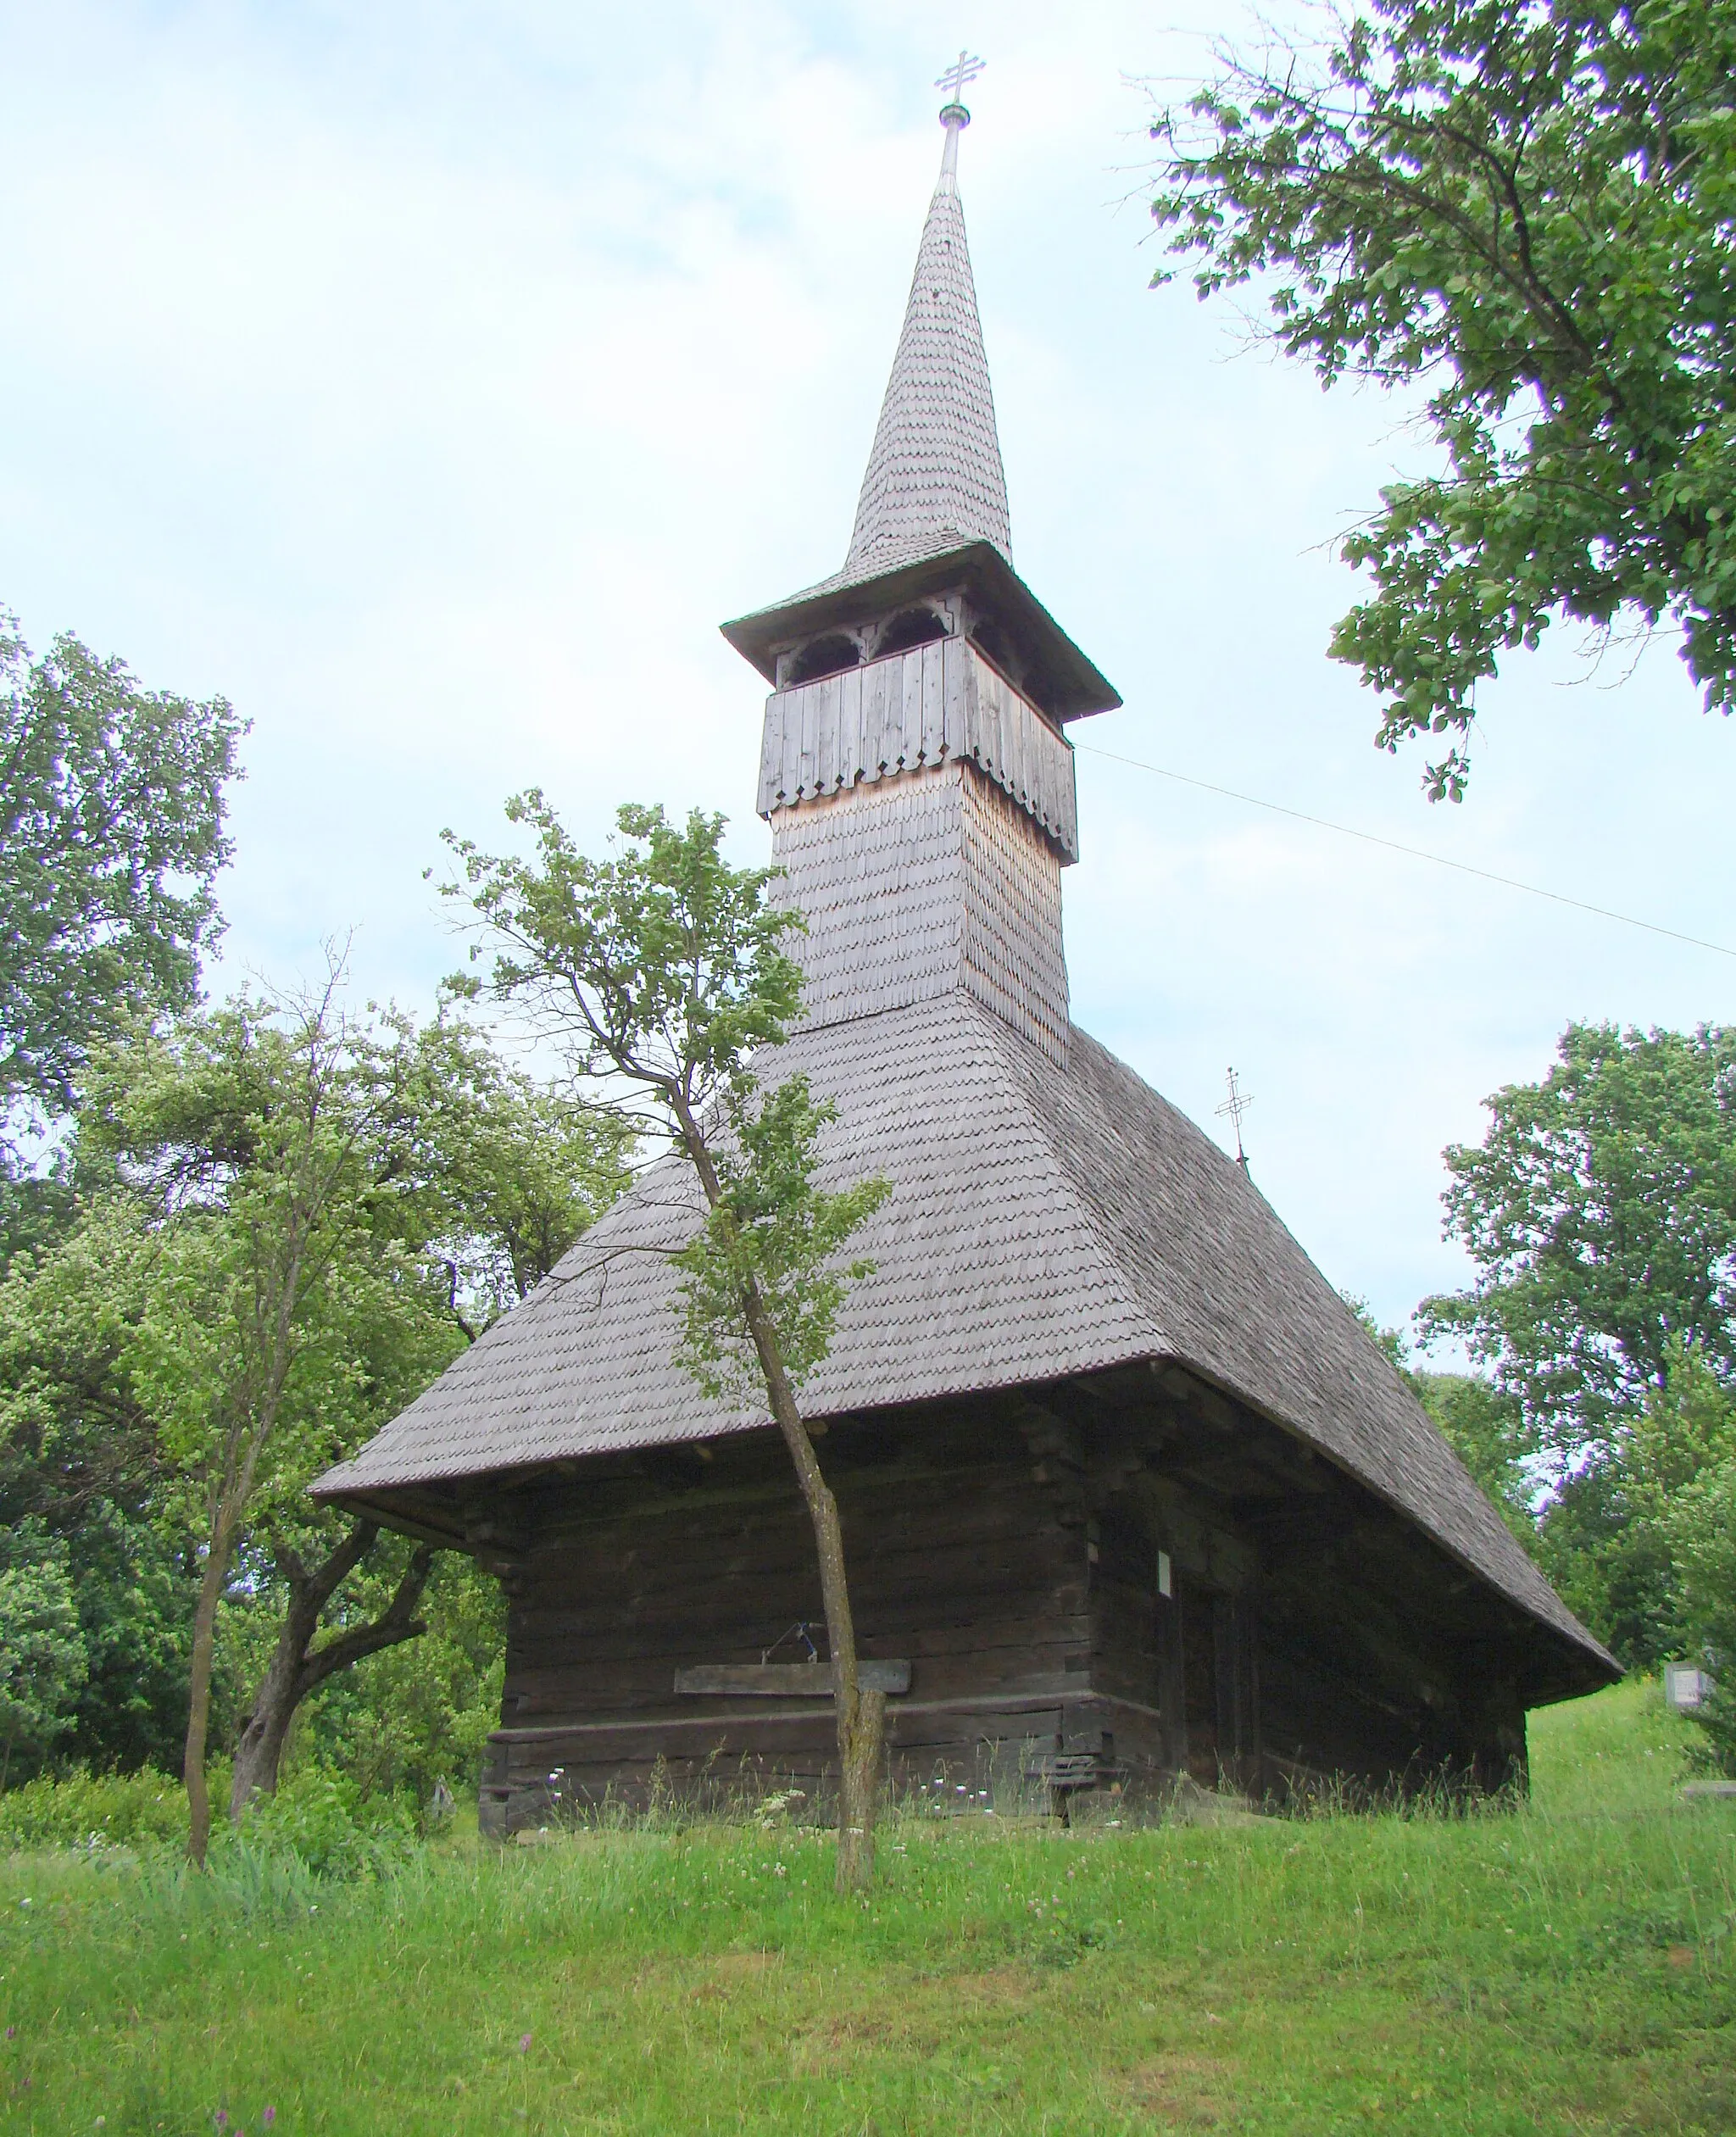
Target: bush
{"x":119,"y":1810}
{"x":322,"y":1819}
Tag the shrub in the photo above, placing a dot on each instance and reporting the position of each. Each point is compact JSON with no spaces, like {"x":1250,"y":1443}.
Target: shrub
{"x":323,"y":1817}
{"x":112,"y":1809}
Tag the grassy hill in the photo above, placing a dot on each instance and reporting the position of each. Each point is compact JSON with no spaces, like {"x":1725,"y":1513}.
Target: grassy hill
{"x":1565,"y":1968}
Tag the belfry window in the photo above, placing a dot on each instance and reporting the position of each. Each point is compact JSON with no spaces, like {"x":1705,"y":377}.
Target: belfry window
{"x":911,"y":627}
{"x":828,"y":656}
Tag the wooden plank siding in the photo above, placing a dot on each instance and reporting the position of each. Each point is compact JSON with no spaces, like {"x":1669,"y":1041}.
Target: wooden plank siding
{"x":938,"y":702}
{"x":1013,"y":1565}
{"x":976,"y":1583}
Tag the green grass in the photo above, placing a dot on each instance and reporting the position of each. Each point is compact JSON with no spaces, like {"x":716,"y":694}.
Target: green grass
{"x":1565,"y":1968}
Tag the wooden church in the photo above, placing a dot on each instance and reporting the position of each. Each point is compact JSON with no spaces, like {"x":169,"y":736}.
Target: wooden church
{"x":1127,"y":1494}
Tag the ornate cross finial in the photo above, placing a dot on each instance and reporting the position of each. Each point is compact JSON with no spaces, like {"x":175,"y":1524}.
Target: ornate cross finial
{"x":1233,"y":1107}
{"x":956,"y":80}
{"x":953,"y":117}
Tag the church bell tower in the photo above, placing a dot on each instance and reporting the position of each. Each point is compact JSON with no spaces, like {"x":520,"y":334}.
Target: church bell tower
{"x":916,"y":768}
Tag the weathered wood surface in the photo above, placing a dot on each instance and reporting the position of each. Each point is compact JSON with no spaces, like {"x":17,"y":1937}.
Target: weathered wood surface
{"x":913,"y":709}
{"x":1027,"y":1628}
{"x":786,"y":1680}
{"x":634,"y":1643}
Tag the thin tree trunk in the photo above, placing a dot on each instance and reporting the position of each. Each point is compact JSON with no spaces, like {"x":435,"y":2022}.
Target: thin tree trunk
{"x":860,"y":1717}
{"x":198,"y":1714}
{"x":299,"y":1668}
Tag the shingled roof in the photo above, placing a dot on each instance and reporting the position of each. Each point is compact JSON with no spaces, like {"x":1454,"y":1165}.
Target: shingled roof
{"x":934,"y":503}
{"x":1043,"y":1223}
{"x":935,"y":478}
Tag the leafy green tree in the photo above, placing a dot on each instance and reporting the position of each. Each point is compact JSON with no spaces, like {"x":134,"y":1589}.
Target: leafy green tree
{"x":1701,"y":1533}
{"x":471,"y":1181}
{"x":111,"y":834}
{"x":79,"y":1460}
{"x":1523,"y":206}
{"x":266,"y":1290}
{"x":414,"y":1714}
{"x":1611,"y":1538}
{"x":515,"y":1171}
{"x":664,"y":971}
{"x":281,"y":1248}
{"x":1600,"y":1210}
{"x":42,"y":1662}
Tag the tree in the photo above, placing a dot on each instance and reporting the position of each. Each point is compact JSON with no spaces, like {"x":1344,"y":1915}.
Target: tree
{"x":1702,"y":1531}
{"x":1613,"y":1538}
{"x":264,"y":1280}
{"x":78,"y":1462}
{"x":111,"y":827}
{"x":665,"y":970}
{"x":1600,"y":1212}
{"x":420,"y":1712}
{"x":289,"y":1262}
{"x":1524,"y":205}
{"x":42,"y":1662}
{"x":429,"y":1185}
{"x":1486,"y":1429}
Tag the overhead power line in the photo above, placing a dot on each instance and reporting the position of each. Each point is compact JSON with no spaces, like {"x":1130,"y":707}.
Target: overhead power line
{"x":1416,"y":853}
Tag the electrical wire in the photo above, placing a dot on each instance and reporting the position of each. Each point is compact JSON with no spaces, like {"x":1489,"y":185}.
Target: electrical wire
{"x":1416,"y":853}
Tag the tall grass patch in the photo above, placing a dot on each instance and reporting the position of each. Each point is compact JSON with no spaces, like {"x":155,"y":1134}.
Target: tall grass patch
{"x":1565,"y":1965}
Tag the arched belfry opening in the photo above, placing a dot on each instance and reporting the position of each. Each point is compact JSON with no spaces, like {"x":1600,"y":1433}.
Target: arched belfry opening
{"x":1128,"y":1494}
{"x":825,"y":656}
{"x":917,"y":627}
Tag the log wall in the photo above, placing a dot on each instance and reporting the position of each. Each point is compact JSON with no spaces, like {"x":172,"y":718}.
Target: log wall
{"x":1019,"y":1565}
{"x":970,"y":1576}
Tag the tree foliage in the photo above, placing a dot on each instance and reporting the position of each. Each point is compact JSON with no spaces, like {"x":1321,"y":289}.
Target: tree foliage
{"x":111,"y":830}
{"x":291,"y":1216}
{"x":1524,"y":206}
{"x":1600,"y":1210}
{"x":660,"y":964}
{"x":1483,"y":1425}
{"x":43,"y":1660}
{"x":1701,"y":1535}
{"x":772,"y":1235}
{"x":1611,"y":1538}
{"x":412,"y":1715}
{"x":1486,"y":1429}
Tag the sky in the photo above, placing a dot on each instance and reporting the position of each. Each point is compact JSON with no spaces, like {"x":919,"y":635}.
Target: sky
{"x":431,"y":382}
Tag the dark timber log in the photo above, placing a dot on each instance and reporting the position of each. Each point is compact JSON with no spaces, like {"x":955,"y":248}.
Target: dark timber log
{"x":1005,"y":1574}
{"x":786,"y":1680}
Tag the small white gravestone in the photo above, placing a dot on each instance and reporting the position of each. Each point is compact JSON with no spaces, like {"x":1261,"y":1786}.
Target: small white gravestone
{"x":1686,"y":1687}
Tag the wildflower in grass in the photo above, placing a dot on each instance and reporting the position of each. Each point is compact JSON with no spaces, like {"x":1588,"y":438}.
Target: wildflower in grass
{"x":524,"y":2044}
{"x":268,"y":2118}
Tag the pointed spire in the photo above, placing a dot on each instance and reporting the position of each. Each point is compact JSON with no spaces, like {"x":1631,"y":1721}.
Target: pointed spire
{"x":934,"y":480}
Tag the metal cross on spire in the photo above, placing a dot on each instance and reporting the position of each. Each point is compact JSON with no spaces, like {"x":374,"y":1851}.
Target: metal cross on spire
{"x":953,"y":117}
{"x":1233,"y":1107}
{"x":958,"y":78}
